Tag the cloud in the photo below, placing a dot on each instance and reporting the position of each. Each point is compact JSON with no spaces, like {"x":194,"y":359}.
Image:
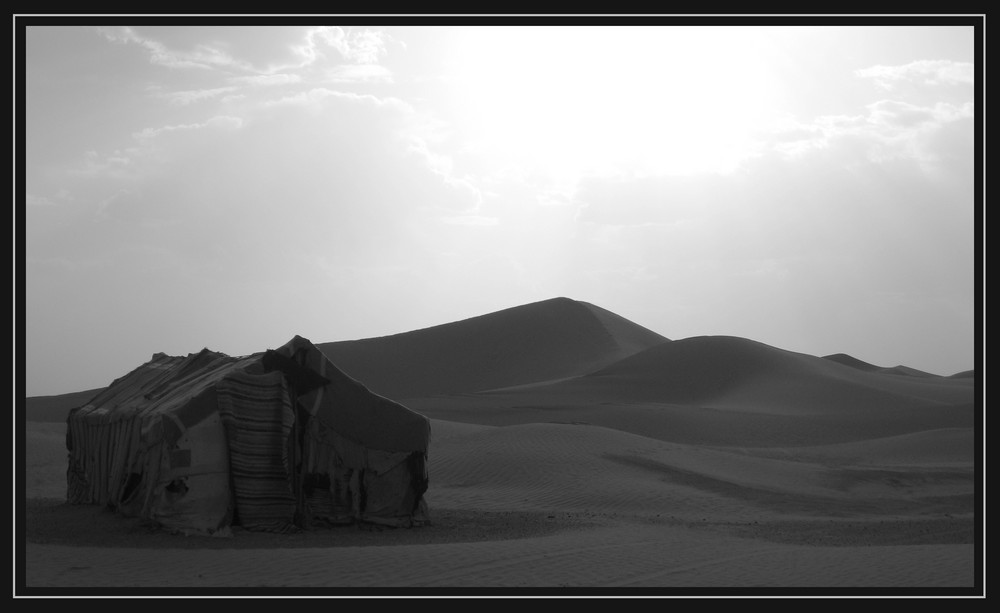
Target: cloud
{"x":201,"y":57}
{"x":410,"y":134}
{"x":874,"y":208}
{"x":888,"y":129}
{"x":349,"y":178}
{"x":922,"y":72}
{"x":894,"y":114}
{"x":359,"y":72}
{"x":363,"y":47}
{"x":894,"y":129}
{"x":907,"y":125}
{"x":268,"y":79}
{"x":353,"y":150}
{"x":101,"y":182}
{"x":117,"y":164}
{"x":442,"y":166}
{"x":190,"y":96}
{"x":223,"y":122}
{"x":317,"y":96}
{"x":357,"y":54}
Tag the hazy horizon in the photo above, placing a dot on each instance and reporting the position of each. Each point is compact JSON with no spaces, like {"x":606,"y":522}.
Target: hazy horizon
{"x":811,"y":188}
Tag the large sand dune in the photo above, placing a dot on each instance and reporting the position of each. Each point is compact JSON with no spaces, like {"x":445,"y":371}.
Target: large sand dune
{"x":631,"y":465}
{"x":535,"y":342}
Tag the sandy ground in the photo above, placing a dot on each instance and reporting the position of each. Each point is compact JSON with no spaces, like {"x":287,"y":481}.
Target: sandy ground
{"x":566,"y":510}
{"x":594,"y":459}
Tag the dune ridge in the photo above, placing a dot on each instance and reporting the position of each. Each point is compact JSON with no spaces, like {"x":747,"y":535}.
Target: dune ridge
{"x":724,"y":390}
{"x":57,"y":407}
{"x":540,"y":341}
{"x":899,"y":369}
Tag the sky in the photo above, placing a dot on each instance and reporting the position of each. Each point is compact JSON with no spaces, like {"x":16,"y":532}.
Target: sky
{"x":811,"y":187}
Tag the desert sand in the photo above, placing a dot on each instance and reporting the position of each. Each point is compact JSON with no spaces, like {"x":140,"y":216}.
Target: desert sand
{"x":640,"y":467}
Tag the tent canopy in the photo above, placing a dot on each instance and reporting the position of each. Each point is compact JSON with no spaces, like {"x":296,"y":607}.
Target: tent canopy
{"x":272,"y":441}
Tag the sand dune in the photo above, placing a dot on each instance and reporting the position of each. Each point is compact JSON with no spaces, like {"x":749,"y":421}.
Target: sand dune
{"x":710,"y":368}
{"x":56,"y":408}
{"x":534,"y":342}
{"x":726,"y":391}
{"x":853,"y":362}
{"x":583,"y":454}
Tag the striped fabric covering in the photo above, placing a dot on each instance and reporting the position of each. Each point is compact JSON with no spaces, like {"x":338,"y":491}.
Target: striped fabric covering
{"x":257,"y":413}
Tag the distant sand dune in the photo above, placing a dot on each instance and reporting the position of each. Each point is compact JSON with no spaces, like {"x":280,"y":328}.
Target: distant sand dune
{"x":726,"y":391}
{"x":700,"y":369}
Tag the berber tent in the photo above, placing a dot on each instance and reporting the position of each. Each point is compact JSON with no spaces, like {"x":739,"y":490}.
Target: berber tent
{"x":274,"y":441}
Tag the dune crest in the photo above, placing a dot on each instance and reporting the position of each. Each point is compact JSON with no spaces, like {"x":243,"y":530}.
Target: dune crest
{"x":853,"y":362}
{"x":544,"y":340}
{"x":738,"y":372}
{"x":727,"y":391}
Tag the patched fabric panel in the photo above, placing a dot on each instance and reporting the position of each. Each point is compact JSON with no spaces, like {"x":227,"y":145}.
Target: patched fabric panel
{"x":257,"y":414}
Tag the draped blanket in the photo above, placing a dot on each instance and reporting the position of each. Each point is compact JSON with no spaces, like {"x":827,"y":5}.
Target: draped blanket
{"x":257,"y":414}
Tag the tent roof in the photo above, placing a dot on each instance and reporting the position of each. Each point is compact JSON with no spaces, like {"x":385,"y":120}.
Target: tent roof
{"x":166,"y":384}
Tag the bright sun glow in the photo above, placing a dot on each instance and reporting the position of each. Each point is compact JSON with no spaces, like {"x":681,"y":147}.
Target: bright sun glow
{"x":589,"y":101}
